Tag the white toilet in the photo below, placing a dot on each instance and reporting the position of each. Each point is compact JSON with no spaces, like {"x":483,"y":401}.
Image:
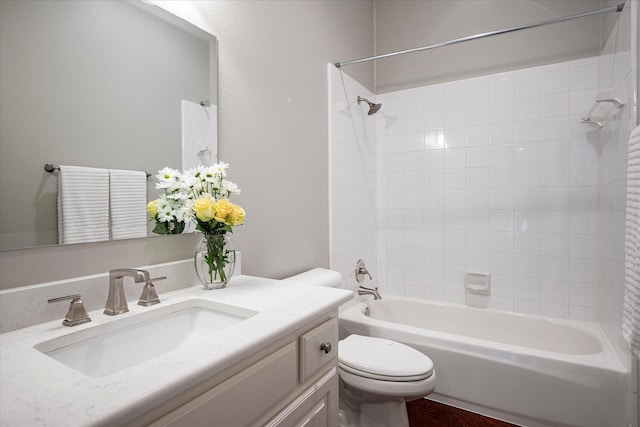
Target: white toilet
{"x":377,"y":376}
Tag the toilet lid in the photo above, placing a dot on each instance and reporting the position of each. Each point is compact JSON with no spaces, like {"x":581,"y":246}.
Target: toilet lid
{"x":383,"y":359}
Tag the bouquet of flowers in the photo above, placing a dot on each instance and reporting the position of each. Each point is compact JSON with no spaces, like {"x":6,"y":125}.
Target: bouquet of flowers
{"x":201,"y":196}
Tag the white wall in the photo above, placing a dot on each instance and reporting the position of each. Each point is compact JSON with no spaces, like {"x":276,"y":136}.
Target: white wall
{"x":273,"y":118}
{"x":428,"y":22}
{"x":272,"y":130}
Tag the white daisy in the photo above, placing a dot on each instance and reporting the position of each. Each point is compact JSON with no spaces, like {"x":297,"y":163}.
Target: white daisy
{"x":230,"y":187}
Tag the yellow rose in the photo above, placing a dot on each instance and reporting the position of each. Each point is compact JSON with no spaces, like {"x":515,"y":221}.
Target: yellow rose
{"x":222,"y":210}
{"x":204,"y":209}
{"x":152,"y":208}
{"x":236,"y":217}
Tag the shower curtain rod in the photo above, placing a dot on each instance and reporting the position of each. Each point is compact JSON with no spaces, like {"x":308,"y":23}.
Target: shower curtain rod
{"x":617,"y":8}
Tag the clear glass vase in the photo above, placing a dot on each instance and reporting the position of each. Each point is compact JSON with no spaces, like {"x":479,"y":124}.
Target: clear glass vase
{"x":215,"y":260}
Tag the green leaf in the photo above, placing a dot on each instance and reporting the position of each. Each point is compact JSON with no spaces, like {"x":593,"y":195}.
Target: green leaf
{"x":160,"y":228}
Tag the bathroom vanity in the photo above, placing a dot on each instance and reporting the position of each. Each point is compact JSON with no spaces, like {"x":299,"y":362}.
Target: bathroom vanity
{"x":274,"y":363}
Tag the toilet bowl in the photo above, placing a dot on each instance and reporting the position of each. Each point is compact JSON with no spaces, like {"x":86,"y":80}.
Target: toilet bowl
{"x":377,"y":378}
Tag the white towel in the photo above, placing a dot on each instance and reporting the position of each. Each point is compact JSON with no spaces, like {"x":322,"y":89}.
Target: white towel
{"x":128,"y":202}
{"x":631,"y":308}
{"x":83,"y":204}
{"x":199,"y":135}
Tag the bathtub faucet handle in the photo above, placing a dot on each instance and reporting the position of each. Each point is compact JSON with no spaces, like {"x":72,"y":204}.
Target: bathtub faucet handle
{"x":361,"y":270}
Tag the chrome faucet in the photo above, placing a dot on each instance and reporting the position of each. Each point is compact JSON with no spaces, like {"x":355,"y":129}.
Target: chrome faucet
{"x":116,"y":301}
{"x":362,"y":290}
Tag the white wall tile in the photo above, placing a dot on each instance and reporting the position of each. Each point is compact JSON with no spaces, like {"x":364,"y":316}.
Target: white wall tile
{"x":527,"y":82}
{"x":455,"y":116}
{"x":501,"y":155}
{"x":554,"y":104}
{"x":527,"y":243}
{"x":554,"y":78}
{"x":478,"y":157}
{"x":526,"y":108}
{"x":583,"y":76}
{"x":478,"y":90}
{"x":501,"y":133}
{"x":554,"y":151}
{"x":434,"y":97}
{"x":501,"y":111}
{"x":478,"y":219}
{"x":478,"y":177}
{"x":478,"y":114}
{"x":502,"y":242}
{"x":501,"y":87}
{"x":560,"y":311}
{"x":478,"y":135}
{"x":555,"y":291}
{"x":455,"y":158}
{"x":455,"y":137}
{"x":555,"y":128}
{"x":455,"y":93}
{"x":501,"y":176}
{"x":414,"y":101}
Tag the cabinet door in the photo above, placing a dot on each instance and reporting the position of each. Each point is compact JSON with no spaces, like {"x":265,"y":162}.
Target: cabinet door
{"x":241,"y":399}
{"x":317,"y":406}
{"x":318,"y":348}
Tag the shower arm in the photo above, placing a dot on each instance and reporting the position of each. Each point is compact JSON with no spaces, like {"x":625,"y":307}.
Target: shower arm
{"x":617,"y":8}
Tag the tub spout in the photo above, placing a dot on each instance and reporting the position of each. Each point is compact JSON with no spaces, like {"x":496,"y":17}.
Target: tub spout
{"x":362,"y":290}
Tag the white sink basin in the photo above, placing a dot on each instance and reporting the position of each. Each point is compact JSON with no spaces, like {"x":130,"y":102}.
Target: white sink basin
{"x":115,"y":346}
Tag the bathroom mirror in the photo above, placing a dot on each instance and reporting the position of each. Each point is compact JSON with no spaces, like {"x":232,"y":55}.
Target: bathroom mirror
{"x":95,"y":83}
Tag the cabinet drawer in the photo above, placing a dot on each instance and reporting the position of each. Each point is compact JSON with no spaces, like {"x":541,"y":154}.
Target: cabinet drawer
{"x":318,"y":347}
{"x":241,"y":399}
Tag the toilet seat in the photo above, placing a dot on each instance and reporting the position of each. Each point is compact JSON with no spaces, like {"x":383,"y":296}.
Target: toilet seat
{"x":382,"y":359}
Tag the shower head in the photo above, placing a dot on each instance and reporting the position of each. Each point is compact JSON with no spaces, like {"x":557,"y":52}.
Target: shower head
{"x":373,"y":108}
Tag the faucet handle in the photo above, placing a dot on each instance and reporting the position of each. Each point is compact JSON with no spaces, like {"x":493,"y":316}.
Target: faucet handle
{"x":149,"y":295}
{"x":361,"y":270}
{"x":77,"y":314}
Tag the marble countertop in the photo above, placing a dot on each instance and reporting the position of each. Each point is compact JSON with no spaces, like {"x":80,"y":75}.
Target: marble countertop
{"x":37,"y":390}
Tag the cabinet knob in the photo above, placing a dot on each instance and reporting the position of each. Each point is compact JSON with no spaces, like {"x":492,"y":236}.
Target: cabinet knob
{"x":326,"y":347}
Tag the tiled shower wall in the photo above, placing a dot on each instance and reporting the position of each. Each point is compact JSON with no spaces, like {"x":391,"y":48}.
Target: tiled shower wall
{"x":352,"y":177}
{"x":492,"y":174}
{"x":618,"y":64}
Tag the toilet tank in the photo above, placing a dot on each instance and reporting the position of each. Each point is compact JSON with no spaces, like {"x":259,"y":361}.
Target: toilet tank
{"x":317,"y":277}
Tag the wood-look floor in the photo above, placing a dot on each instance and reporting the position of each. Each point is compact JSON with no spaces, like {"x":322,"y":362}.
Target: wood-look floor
{"x":427,"y":413}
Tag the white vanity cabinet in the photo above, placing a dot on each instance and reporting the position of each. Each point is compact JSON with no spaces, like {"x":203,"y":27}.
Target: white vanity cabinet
{"x":291,"y":382}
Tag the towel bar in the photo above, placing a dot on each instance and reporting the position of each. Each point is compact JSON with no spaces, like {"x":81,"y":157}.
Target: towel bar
{"x":50,"y":167}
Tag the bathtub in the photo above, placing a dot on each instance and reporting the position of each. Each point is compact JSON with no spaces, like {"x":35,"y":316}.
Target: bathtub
{"x":527,"y":370}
